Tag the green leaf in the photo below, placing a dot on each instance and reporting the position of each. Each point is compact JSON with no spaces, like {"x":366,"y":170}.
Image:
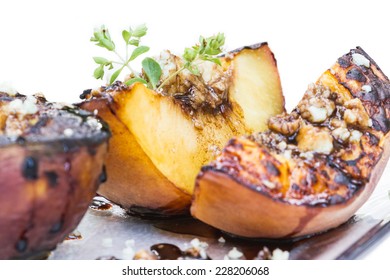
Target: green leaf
{"x":211,"y":51}
{"x":100,"y":60}
{"x":135,"y":80}
{"x":126,"y":36}
{"x":109,"y":45}
{"x":220,"y":39}
{"x":99,"y":72}
{"x":213,"y":59}
{"x":202,"y":44}
{"x":138,"y":51}
{"x":189,"y":54}
{"x":103,"y":38}
{"x":140,"y":31}
{"x":134,"y":42}
{"x":152,"y":70}
{"x":115,"y":75}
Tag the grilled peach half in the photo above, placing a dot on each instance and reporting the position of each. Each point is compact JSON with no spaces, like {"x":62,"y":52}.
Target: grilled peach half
{"x":313,"y":168}
{"x":162,"y":138}
{"x":51,"y":163}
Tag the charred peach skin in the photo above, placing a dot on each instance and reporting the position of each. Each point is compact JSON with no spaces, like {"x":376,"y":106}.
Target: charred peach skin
{"x":161,"y":139}
{"x":313,"y":169}
{"x":47,"y":179}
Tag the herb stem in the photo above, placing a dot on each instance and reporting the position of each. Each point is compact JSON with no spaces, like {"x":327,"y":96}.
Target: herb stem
{"x":170,"y":77}
{"x":120,"y":57}
{"x":196,"y":62}
{"x":126,"y":63}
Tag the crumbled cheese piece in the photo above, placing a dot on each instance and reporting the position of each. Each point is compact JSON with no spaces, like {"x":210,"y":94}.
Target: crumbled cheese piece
{"x":307,"y":155}
{"x":15,"y":105}
{"x":202,"y":253}
{"x":107,"y":242}
{"x":341,"y":133}
{"x":282,"y":146}
{"x":31,"y":98}
{"x":195,"y":242}
{"x":200,"y":246}
{"x":234,"y":254}
{"x":356,"y":113}
{"x":26,"y":107}
{"x":315,"y":139}
{"x":76,"y":233}
{"x":350,"y":116}
{"x":278,"y":254}
{"x":337,"y":123}
{"x":317,"y":114}
{"x":206,"y":68}
{"x":95,"y":112}
{"x":7,"y":87}
{"x":94,"y":123}
{"x":269,"y":184}
{"x":68,"y":132}
{"x":359,"y":60}
{"x":30,"y":107}
{"x":287,"y":154}
{"x":324,"y":146}
{"x":326,"y":93}
{"x":167,"y":64}
{"x":221,"y":240}
{"x":367,"y":88}
{"x":355,"y":136}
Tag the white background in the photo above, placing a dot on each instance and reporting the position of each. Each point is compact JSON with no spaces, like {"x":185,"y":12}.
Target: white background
{"x":45,"y":47}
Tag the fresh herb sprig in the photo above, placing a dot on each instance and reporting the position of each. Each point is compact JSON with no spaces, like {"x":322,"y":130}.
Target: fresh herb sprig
{"x":208,"y":49}
{"x":132,"y":38}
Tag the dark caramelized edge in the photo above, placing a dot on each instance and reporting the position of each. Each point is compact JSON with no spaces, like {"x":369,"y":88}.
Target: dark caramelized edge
{"x":34,"y":140}
{"x":378,"y":108}
{"x":376,"y":102}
